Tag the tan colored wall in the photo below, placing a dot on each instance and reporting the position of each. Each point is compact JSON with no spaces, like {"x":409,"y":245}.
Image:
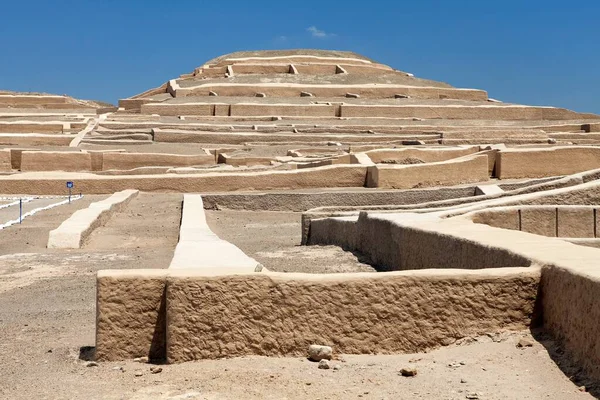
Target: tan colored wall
{"x":427,"y":155}
{"x":169,"y":109}
{"x":314,"y":110}
{"x":554,"y":161}
{"x":322,"y":177}
{"x":24,"y":100}
{"x":126,"y":161}
{"x":130,"y":314}
{"x":31,"y":127}
{"x":55,"y":161}
{"x":571,"y":312}
{"x":462,"y":112}
{"x":5,"y":160}
{"x":453,"y":172}
{"x":261,"y":68}
{"x":189,"y":136}
{"x":364,"y":91}
{"x":553,"y":221}
{"x":35,"y":140}
{"x":281,"y":314}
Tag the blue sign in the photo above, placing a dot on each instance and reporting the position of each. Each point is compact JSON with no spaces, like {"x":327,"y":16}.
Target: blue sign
{"x":70,"y":185}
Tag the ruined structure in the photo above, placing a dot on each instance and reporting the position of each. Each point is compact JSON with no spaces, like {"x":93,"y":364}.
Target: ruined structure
{"x":479,"y":216}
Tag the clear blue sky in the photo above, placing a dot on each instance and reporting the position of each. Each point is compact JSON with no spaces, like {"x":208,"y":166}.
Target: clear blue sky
{"x":526,"y":51}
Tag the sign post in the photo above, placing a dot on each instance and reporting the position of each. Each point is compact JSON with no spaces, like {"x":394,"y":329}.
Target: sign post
{"x":20,"y":210}
{"x":70,"y":187}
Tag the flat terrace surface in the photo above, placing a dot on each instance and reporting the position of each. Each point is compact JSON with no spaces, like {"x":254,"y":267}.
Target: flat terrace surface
{"x":273,"y":239}
{"x":385,"y":77}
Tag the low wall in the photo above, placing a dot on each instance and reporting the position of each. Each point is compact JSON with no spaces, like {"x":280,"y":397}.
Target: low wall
{"x":34,"y":139}
{"x":190,"y":136}
{"x":73,"y":232}
{"x":553,"y":221}
{"x":278,"y":314}
{"x":5,"y":160}
{"x":131,"y":304}
{"x":34,"y":127}
{"x":427,"y":155}
{"x":55,"y":161}
{"x":553,"y":161}
{"x":458,"y":171}
{"x":127,"y":161}
{"x":321,"y":177}
{"x":130,"y":314}
{"x":199,"y":248}
{"x":299,"y":201}
{"x":570,"y":281}
{"x":373,"y":91}
{"x":487,"y":112}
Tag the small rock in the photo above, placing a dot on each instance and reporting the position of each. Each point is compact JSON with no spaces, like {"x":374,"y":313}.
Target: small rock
{"x":551,"y":141}
{"x":408,"y":371}
{"x":91,"y":364}
{"x":324,"y":364}
{"x":317,"y":352}
{"x":462,"y":363}
{"x":119,"y":368}
{"x":463,"y":381}
{"x":337,"y":367}
{"x":525,"y":342}
{"x":139,"y":373}
{"x":141,"y":359}
{"x":472,"y":396}
{"x":582,"y":389}
{"x":156,"y":370}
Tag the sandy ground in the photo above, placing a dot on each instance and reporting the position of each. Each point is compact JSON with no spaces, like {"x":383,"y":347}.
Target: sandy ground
{"x":273,"y":239}
{"x":47,"y":322}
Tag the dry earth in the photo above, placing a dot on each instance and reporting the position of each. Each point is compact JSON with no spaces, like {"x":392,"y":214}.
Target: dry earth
{"x":47,"y":313}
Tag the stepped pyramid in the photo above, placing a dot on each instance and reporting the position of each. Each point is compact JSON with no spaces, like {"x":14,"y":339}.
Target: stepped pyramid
{"x":316,"y":96}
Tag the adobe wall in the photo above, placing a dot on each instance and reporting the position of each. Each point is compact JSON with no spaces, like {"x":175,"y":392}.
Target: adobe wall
{"x":570,"y":283}
{"x":32,"y":139}
{"x":303,"y":201}
{"x":462,"y":112}
{"x":28,"y":100}
{"x":321,"y":177}
{"x":260,"y":68}
{"x":33,"y":127}
{"x":330,"y":90}
{"x":200,"y":249}
{"x":5,"y":160}
{"x":170,"y":109}
{"x":427,"y":155}
{"x":130,"y":314}
{"x":453,"y":172}
{"x":393,"y":247}
{"x":313,"y":110}
{"x":189,"y":136}
{"x":553,"y":161}
{"x":56,"y":161}
{"x":553,"y":221}
{"x":127,"y":161}
{"x":571,"y":312}
{"x":279,"y":314}
{"x":74,"y":231}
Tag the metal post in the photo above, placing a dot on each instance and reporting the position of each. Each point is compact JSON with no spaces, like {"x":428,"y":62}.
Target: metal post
{"x":20,"y":210}
{"x":69,"y":195}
